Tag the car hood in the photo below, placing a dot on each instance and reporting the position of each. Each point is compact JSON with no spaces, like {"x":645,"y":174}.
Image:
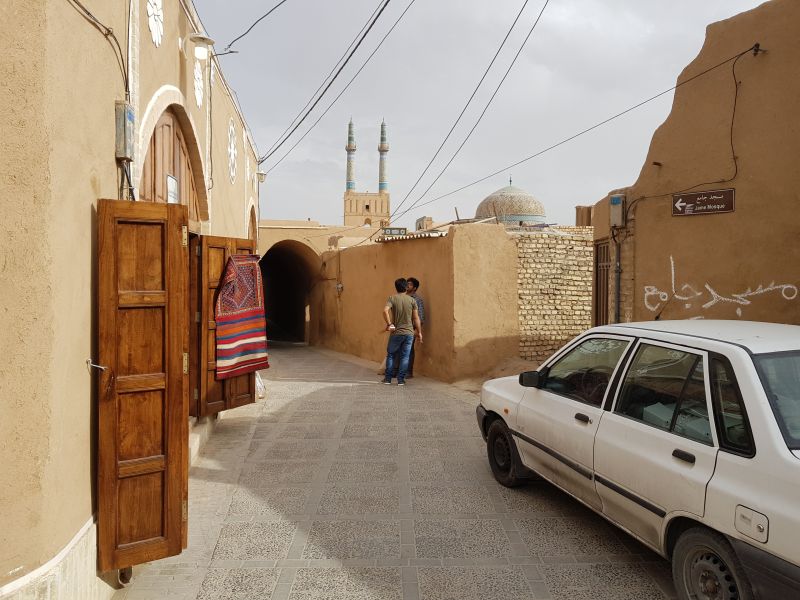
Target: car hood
{"x":505,"y":389}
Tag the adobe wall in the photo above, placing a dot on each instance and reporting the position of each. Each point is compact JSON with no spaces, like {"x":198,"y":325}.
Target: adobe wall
{"x":555,"y":269}
{"x":738,"y":265}
{"x":468,"y":283}
{"x":60,"y":83}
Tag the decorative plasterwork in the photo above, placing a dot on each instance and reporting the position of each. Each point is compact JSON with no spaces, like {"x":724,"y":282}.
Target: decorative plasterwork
{"x":155,"y":20}
{"x":232,"y":151}
{"x":198,"y":83}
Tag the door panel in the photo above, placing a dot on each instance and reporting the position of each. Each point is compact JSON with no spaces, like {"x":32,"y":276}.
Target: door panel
{"x":142,"y":393}
{"x":216,"y":396}
{"x":648,"y":459}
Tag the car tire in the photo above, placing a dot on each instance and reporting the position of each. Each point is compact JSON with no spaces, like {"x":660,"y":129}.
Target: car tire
{"x":503,"y":456}
{"x":705,"y":567}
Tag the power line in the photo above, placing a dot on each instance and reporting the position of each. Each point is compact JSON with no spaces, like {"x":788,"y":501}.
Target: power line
{"x":588,"y":129}
{"x":257,"y":21}
{"x":485,"y":108}
{"x":328,"y":76}
{"x":339,"y":95}
{"x":463,"y":110}
{"x":330,"y":83}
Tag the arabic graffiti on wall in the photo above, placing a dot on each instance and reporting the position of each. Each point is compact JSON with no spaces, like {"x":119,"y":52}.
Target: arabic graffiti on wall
{"x":656,"y":299}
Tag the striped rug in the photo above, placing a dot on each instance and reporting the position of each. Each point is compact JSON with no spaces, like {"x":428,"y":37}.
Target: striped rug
{"x":239,"y":312}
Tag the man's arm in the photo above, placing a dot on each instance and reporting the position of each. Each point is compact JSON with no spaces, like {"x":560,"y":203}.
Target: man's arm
{"x":387,"y":317}
{"x":417,"y":324}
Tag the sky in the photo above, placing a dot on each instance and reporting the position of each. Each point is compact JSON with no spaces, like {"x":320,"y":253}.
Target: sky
{"x":585,"y":61}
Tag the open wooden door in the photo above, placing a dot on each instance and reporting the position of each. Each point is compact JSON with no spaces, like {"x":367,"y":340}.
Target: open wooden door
{"x":142,"y":393}
{"x":216,"y":396}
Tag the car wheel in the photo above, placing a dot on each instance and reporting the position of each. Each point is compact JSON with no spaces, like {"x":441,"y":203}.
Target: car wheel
{"x":705,"y":567}
{"x":503,"y":457}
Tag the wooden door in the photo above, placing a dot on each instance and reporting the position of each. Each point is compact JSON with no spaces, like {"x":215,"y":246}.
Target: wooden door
{"x":215,"y":395}
{"x":142,"y":393}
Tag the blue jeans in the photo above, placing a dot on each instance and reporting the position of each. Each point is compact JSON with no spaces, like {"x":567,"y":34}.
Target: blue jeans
{"x":399,"y":345}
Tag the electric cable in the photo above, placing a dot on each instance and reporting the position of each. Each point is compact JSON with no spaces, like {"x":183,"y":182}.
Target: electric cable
{"x":463,"y":110}
{"x":485,"y":108}
{"x":330,"y":83}
{"x":328,"y":76}
{"x":753,"y":48}
{"x":344,"y":89}
{"x":111,"y":38}
{"x":257,"y":21}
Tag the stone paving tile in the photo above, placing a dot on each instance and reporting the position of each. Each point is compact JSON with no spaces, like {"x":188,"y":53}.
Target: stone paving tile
{"x":359,"y":500}
{"x":274,"y":503}
{"x":254,"y":541}
{"x":461,"y":538}
{"x":450,"y":500}
{"x":353,"y":539}
{"x":463,"y":583}
{"x":238,"y":584}
{"x":335,"y":486}
{"x":357,"y":583}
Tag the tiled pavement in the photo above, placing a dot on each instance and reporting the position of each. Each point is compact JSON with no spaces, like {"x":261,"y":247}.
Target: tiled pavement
{"x":337,"y":487}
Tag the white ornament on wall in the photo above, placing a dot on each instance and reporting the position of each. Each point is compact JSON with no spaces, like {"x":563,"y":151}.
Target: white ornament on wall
{"x":247,"y":173}
{"x":198,"y":83}
{"x":232,"y":152}
{"x":155,"y":20}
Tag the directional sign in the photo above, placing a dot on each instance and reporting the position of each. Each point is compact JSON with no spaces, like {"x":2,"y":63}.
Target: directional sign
{"x":703,"y":203}
{"x":395,"y":231}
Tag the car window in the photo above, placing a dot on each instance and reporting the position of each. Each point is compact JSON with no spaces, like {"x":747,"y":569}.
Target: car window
{"x":780,"y":375}
{"x":732,"y":425}
{"x":665,"y":388}
{"x":585,"y":371}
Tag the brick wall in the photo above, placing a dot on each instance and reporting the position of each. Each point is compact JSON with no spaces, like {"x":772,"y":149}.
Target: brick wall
{"x":554,"y":281}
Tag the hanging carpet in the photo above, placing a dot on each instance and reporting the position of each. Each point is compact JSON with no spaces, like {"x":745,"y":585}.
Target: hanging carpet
{"x":239,"y":312}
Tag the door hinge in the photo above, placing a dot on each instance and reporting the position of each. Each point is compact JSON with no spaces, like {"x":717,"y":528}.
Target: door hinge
{"x":185,"y":511}
{"x":197,"y":249}
{"x":185,"y":363}
{"x":196,"y":394}
{"x":184,"y":236}
{"x":197,"y":317}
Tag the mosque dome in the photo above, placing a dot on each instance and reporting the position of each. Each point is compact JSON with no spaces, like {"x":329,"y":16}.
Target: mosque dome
{"x":512,"y":206}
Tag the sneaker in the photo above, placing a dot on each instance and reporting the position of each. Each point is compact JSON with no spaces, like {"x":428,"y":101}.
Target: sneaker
{"x":384,"y":382}
{"x":401,"y":383}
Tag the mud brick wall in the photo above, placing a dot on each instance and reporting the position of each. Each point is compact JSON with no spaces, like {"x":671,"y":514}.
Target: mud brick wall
{"x":554,"y":281}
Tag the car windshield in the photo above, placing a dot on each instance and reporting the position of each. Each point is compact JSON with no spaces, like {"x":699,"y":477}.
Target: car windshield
{"x":780,"y":375}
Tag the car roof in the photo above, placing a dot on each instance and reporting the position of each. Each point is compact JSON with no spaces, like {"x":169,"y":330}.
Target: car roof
{"x":757,"y":337}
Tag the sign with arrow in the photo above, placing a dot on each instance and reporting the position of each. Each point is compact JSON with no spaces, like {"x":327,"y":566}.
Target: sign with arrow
{"x":703,"y":203}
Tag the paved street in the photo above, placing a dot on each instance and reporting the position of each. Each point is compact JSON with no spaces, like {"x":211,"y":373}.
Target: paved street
{"x":337,"y":487}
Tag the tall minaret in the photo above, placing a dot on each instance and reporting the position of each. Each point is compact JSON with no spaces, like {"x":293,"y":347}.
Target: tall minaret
{"x":351,"y":155}
{"x":383,"y":149}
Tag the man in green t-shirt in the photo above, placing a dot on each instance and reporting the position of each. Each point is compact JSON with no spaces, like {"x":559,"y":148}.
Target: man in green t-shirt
{"x":402,"y":318}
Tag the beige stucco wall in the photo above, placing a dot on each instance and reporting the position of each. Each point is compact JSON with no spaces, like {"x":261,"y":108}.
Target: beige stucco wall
{"x":744,"y":264}
{"x":468,"y":283}
{"x":60,"y":82}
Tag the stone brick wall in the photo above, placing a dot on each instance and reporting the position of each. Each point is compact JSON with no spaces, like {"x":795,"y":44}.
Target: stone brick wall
{"x":554,"y":281}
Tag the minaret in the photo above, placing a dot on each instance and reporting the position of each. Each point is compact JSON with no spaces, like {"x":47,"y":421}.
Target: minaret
{"x":351,"y":155}
{"x":383,"y":149}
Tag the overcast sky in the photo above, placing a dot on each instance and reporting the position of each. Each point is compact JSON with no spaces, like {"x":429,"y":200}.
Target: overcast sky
{"x":586,"y":60}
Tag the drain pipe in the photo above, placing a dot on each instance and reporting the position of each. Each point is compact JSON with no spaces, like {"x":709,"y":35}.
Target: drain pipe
{"x":617,"y":278}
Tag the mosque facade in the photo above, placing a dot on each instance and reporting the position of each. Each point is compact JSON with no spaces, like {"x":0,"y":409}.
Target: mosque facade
{"x":365,"y":208}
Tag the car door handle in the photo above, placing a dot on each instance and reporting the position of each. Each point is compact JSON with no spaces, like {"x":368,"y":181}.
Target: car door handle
{"x":582,"y":417}
{"x":684,"y":456}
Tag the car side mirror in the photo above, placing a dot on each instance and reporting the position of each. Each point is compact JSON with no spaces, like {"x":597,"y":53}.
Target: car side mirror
{"x":533,"y":379}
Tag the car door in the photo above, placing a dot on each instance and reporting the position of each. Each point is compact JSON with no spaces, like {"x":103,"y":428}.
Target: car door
{"x":656,"y":450}
{"x":557,"y":422}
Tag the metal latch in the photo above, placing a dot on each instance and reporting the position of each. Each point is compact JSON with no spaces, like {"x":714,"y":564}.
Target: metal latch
{"x":90,"y":365}
{"x":184,"y":511}
{"x":184,"y":236}
{"x":185,"y":363}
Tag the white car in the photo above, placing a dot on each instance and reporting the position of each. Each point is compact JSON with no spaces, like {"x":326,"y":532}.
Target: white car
{"x":686,"y":434}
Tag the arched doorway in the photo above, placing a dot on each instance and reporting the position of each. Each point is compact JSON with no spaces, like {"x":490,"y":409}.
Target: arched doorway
{"x":168,"y":173}
{"x":289,"y":270}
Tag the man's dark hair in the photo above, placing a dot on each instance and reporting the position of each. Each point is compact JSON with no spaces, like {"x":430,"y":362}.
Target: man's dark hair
{"x":400,"y":285}
{"x":414,"y":281}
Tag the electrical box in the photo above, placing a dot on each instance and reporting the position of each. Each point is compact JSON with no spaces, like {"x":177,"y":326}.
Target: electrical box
{"x":125,"y":121}
{"x":617,"y":210}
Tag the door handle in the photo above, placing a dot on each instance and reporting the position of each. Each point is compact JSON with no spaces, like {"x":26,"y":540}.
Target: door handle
{"x":684,"y":456}
{"x":582,"y":417}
